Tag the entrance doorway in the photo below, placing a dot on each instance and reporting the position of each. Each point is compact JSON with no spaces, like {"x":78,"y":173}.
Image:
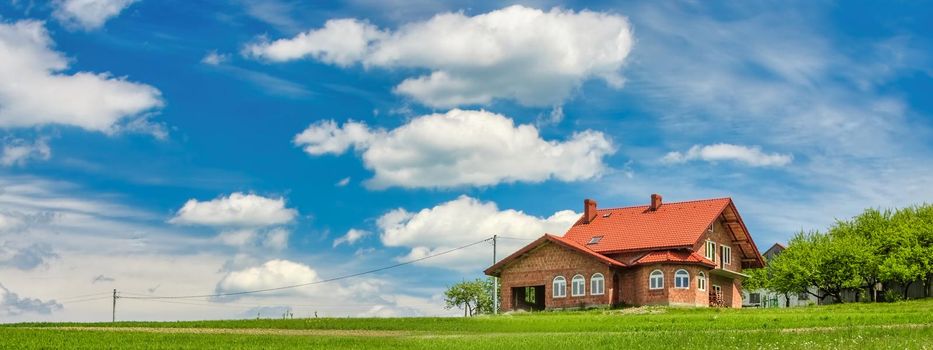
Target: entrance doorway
{"x":530,"y":298}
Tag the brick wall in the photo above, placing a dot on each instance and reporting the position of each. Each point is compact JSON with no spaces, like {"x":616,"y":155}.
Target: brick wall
{"x":540,"y":267}
{"x":636,"y":291}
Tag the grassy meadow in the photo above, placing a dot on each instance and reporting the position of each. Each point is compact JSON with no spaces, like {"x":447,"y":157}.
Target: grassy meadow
{"x":905,"y":325}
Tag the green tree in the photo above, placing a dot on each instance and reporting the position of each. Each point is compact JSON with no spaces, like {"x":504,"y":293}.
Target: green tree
{"x":473,"y":297}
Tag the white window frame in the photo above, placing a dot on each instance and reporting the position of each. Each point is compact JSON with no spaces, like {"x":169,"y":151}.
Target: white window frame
{"x":601,"y":290}
{"x":559,"y":289}
{"x":679,"y":277}
{"x":726,"y":257}
{"x":701,"y":280}
{"x":651,"y":278}
{"x":574,"y":282}
{"x":710,"y":248}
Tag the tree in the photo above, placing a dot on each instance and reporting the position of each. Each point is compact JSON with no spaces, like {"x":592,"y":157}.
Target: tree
{"x":473,"y":297}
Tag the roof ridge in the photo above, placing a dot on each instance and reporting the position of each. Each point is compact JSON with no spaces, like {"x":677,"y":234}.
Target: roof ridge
{"x":667,"y":203}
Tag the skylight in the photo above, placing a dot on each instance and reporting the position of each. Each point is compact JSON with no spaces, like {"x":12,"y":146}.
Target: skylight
{"x":595,"y":239}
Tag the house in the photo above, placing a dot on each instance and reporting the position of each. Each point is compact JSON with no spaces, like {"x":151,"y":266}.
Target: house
{"x":686,"y":253}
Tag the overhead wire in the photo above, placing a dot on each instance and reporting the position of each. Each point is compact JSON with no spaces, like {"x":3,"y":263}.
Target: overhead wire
{"x":217,"y":295}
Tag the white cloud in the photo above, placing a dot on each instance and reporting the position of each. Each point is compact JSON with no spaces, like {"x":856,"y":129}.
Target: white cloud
{"x":34,"y":90}
{"x":213,"y":58}
{"x":462,"y":221}
{"x":535,"y":57}
{"x":352,"y":236}
{"x":343,"y":182}
{"x":274,"y":238}
{"x":89,"y":14}
{"x":727,"y":152}
{"x":19,"y":151}
{"x":272,"y":274}
{"x":461,"y":148}
{"x":326,"y":137}
{"x":11,"y":304}
{"x":237,"y":209}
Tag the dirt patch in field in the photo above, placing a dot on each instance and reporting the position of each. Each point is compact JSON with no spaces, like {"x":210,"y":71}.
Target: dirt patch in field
{"x":247,"y":331}
{"x":425,"y":334}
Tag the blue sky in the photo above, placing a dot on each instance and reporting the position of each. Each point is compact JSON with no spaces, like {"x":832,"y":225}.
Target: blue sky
{"x":165,"y":148}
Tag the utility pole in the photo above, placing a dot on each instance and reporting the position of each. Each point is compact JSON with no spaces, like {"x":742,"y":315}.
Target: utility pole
{"x":114,"y":315}
{"x":495,"y":280}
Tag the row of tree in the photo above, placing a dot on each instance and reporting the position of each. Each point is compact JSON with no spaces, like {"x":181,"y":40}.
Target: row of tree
{"x":877,"y":255}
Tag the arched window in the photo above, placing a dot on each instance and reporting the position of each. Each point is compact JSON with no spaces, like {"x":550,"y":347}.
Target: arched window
{"x":578,"y":284}
{"x":597,"y":284}
{"x":559,"y":286}
{"x":701,"y":281}
{"x":656,"y":280}
{"x":682,"y":279}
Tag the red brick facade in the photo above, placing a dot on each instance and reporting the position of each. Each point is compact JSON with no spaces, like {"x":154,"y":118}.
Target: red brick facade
{"x":626,"y":283}
{"x":623,"y":285}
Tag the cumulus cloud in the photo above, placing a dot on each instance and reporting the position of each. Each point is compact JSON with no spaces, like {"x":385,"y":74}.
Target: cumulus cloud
{"x":352,"y":236}
{"x":271,"y":274}
{"x":752,"y":156}
{"x":11,"y":304}
{"x":237,"y":209}
{"x":88,"y":14}
{"x":459,"y":148}
{"x":462,"y":221}
{"x":537,"y":58}
{"x":19,"y":151}
{"x":34,"y":90}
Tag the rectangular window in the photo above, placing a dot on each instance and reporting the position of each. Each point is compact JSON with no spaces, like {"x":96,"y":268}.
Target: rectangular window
{"x":726,"y":255}
{"x":711,"y":250}
{"x":754,"y":298}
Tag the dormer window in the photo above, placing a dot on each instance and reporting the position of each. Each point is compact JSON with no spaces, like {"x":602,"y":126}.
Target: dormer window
{"x":595,"y":240}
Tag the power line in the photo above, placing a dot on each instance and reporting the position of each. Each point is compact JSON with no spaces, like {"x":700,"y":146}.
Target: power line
{"x":309,"y":283}
{"x":517,"y":238}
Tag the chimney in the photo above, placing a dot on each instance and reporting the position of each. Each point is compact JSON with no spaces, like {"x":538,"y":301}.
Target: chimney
{"x":655,"y":202}
{"x":589,"y":210}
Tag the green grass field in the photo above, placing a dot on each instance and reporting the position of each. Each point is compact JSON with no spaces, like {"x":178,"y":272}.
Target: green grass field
{"x":907,"y":325}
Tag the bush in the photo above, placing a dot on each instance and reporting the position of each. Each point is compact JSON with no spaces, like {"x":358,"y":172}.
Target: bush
{"x":893,"y":295}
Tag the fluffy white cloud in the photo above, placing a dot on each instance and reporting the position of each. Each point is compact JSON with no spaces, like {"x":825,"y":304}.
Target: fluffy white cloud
{"x":19,"y":151}
{"x":726,"y":152}
{"x":461,"y":148}
{"x":352,"y":236}
{"x":462,"y":221}
{"x":535,"y":57}
{"x":272,"y":274}
{"x":237,"y":209}
{"x":35,"y":91}
{"x":89,"y":14}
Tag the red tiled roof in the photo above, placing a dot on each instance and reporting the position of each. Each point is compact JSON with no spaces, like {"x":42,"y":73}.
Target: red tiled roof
{"x":673,"y":225}
{"x":678,"y":256}
{"x":493,"y":270}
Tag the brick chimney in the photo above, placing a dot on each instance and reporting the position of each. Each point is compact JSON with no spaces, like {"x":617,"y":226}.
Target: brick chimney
{"x":589,"y":210}
{"x":655,"y":202}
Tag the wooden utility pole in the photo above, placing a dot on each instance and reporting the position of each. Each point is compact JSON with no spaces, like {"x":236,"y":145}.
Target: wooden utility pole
{"x":495,"y":280}
{"x":113,"y":317}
